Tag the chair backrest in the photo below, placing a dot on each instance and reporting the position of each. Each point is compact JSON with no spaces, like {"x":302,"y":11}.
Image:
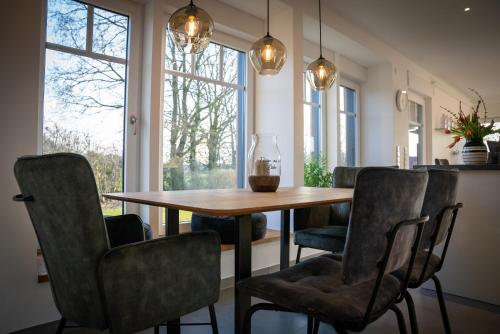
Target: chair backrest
{"x":441,"y":193}
{"x":66,"y":215}
{"x":443,"y":162}
{"x":383,"y":197}
{"x":345,"y":177}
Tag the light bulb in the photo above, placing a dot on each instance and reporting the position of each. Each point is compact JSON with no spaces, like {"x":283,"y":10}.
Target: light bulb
{"x":321,"y":72}
{"x":267,"y":53}
{"x":192,"y":26}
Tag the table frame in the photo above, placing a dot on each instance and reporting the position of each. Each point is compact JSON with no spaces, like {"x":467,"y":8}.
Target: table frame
{"x":242,"y":253}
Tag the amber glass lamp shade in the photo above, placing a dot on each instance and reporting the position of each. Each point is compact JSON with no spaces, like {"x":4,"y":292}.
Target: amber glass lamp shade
{"x":191,"y":29}
{"x":321,"y":74}
{"x":268,"y":55}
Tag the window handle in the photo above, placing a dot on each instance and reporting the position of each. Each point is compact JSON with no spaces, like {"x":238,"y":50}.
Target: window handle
{"x":133,"y":121}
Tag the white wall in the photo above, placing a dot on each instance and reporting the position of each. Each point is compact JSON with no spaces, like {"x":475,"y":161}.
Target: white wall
{"x":23,"y":302}
{"x":377,"y":122}
{"x":278,"y":99}
{"x":494,"y":110}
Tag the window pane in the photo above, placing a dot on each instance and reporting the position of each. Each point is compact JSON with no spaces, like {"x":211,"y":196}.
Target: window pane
{"x":350,"y":141}
{"x":200,"y":135}
{"x":343,"y":139}
{"x":347,"y":136}
{"x":174,"y":59}
{"x":230,"y":68}
{"x":84,"y":113}
{"x":67,"y":23}
{"x":110,"y":33}
{"x":308,"y":133}
{"x":415,"y":146}
{"x":207,"y":62}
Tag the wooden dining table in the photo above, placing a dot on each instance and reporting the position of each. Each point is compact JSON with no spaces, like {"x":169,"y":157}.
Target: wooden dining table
{"x":240,"y":203}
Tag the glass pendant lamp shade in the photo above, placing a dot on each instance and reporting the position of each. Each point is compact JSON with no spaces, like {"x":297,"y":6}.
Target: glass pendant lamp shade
{"x":268,"y":54}
{"x":191,"y":28}
{"x":321,"y":74}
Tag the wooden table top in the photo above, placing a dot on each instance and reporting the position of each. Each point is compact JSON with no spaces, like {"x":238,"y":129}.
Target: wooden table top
{"x":235,"y":202}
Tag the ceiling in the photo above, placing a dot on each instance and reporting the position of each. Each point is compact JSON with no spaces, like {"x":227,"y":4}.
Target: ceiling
{"x":462,"y":48}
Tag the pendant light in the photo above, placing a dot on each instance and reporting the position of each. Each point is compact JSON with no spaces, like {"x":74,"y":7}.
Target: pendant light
{"x":268,"y":54}
{"x":191,"y":28}
{"x":321,"y":73}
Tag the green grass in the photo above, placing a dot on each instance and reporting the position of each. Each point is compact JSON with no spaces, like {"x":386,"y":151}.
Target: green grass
{"x":184,"y":216}
{"x":112,"y":211}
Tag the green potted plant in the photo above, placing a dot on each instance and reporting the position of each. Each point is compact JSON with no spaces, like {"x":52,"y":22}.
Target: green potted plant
{"x":473,"y":129}
{"x":316,"y":172}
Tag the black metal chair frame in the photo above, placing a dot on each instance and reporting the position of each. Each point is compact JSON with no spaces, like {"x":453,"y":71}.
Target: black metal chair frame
{"x":62,"y":324}
{"x":439,"y":291}
{"x":313,"y":321}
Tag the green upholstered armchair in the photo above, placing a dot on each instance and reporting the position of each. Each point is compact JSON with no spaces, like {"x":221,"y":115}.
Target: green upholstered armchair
{"x":325,"y":227}
{"x":127,"y":288}
{"x":383,"y":237}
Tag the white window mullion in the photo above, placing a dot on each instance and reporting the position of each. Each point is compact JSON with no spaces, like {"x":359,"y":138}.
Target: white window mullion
{"x":220,"y":75}
{"x":84,"y":53}
{"x":199,"y":78}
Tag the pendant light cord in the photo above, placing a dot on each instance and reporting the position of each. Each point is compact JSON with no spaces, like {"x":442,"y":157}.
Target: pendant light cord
{"x":320,"y":43}
{"x":267,"y":17}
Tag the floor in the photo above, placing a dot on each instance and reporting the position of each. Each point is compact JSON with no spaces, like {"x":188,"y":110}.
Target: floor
{"x":465,"y":317}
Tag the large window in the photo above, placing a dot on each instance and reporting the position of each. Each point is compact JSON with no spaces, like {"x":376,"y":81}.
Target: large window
{"x":347,"y":126}
{"x":203,"y":118}
{"x":85,"y":85}
{"x":415,"y":134}
{"x":312,"y":121}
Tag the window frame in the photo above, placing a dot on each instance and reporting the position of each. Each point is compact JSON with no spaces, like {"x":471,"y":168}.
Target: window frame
{"x":132,"y":101}
{"x":241,"y":90}
{"x":228,"y":41}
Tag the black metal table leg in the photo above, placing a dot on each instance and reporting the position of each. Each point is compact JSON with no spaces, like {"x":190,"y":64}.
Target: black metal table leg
{"x":172,"y":228}
{"x":242,"y":268}
{"x":285,"y":239}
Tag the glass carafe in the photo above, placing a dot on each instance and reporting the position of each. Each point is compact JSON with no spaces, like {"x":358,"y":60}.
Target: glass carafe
{"x":264,"y":163}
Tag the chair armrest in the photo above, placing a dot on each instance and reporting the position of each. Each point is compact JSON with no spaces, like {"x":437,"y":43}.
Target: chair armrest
{"x":147,"y":283}
{"x":124,"y":229}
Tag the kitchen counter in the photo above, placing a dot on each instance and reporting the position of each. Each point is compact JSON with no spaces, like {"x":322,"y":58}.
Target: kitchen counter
{"x":462,"y":167}
{"x":472,"y":265}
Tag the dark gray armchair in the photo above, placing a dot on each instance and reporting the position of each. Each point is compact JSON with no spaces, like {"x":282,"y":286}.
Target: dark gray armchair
{"x":440,"y":204}
{"x":325,"y":227}
{"x":127,"y":288}
{"x":384,"y":233}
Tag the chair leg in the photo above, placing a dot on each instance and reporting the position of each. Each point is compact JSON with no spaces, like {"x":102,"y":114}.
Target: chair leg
{"x":213,"y":319}
{"x":299,"y":250}
{"x":442,"y":305}
{"x":61,"y":325}
{"x":401,"y":319}
{"x":316,"y":326}
{"x":412,"y":314}
{"x":310,"y":324}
